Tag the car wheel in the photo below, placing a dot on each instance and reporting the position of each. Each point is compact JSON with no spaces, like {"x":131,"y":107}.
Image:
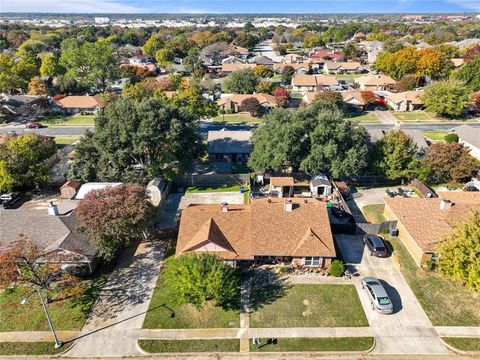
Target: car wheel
{"x":373,"y":306}
{"x":363,"y":286}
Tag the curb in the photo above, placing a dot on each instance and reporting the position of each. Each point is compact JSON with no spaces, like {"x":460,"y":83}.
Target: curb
{"x":461,"y":352}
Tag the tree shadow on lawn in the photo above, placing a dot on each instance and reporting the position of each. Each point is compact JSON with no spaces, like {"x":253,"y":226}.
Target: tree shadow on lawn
{"x":266,"y":286}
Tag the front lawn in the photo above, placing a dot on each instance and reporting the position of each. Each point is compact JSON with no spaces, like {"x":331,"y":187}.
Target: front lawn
{"x":74,"y":120}
{"x":347,"y":76}
{"x":435,"y":135}
{"x":313,"y":344}
{"x":29,"y":348}
{"x":236,"y":118}
{"x":307,"y":306}
{"x":190,"y":346}
{"x":463,"y":344}
{"x":67,"y":314}
{"x":207,"y":189}
{"x":363,"y":118}
{"x":374,"y":213}
{"x":65,"y":140}
{"x":446,"y":302}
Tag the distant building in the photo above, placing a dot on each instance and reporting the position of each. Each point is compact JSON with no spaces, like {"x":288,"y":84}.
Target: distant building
{"x":313,"y":82}
{"x":102,"y":20}
{"x":375,"y":82}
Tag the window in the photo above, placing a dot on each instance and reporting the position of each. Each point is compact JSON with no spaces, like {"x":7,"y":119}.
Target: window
{"x":313,"y":261}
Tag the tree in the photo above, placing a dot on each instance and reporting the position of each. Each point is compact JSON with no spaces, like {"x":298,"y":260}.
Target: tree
{"x":287,"y":74}
{"x":241,"y":82}
{"x":248,"y":27}
{"x":113,"y":218}
{"x":152,"y":45}
{"x":9,"y":80}
{"x":37,"y":86}
{"x":266,"y":87}
{"x":313,"y":40}
{"x":199,"y":278}
{"x":400,"y":63}
{"x":246,"y":40}
{"x":434,"y":64}
{"x":407,"y":83}
{"x":392,"y":45}
{"x":472,"y":53}
{"x":165,"y":56}
{"x":25,"y":69}
{"x":369,"y":97}
{"x":155,"y":135}
{"x":22,"y":161}
{"x":459,"y":253}
{"x":446,"y":98}
{"x":192,"y":61}
{"x":450,"y":162}
{"x":50,"y":66}
{"x":351,"y":51}
{"x":397,"y":155}
{"x":251,"y":105}
{"x":470,"y":74}
{"x":25,"y":264}
{"x":281,"y":96}
{"x":331,"y":97}
{"x":215,"y":52}
{"x":263,"y":71}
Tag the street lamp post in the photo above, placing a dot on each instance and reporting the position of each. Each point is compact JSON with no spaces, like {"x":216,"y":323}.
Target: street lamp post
{"x":24,"y":301}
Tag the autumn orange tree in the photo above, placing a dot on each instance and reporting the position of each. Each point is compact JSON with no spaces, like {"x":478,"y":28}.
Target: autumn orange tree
{"x":115,"y":217}
{"x":24,"y":264}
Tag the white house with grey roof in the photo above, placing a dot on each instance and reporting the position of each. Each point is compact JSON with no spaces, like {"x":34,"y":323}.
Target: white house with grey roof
{"x":416,"y":135}
{"x":469,"y":136}
{"x":229,"y":146}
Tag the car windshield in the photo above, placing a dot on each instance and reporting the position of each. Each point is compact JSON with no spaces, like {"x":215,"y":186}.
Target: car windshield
{"x":379,"y":248}
{"x":384,"y":301}
{"x":373,"y":282}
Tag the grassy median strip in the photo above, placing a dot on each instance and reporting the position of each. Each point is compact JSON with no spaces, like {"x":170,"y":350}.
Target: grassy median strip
{"x":313,"y":344}
{"x":29,"y":348}
{"x":74,"y":120}
{"x":446,"y":302}
{"x":463,"y":343}
{"x":187,"y":346}
{"x":306,"y":306}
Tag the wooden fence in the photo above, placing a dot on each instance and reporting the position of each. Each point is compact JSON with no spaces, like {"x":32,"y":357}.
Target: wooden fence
{"x":426,"y":191}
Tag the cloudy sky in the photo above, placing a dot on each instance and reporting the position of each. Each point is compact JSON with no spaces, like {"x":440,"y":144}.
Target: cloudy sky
{"x":239,"y":6}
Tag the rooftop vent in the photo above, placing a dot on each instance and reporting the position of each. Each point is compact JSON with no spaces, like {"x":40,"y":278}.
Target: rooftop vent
{"x":52,"y":209}
{"x":445,"y":204}
{"x":288,"y":205}
{"x":224,"y":207}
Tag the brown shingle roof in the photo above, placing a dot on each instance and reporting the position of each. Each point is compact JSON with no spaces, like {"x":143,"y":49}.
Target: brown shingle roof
{"x":314,"y":80}
{"x":262,"y":228}
{"x":282,"y":181}
{"x":82,"y":102}
{"x":236,"y":67}
{"x":238,"y":98}
{"x":375,"y":80}
{"x":426,"y":223}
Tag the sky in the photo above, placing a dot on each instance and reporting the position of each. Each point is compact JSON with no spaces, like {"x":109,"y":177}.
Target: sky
{"x":240,"y":6}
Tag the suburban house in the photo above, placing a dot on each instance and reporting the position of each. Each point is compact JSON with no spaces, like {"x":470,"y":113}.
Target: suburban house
{"x":313,"y":82}
{"x":233,"y":60}
{"x":234,"y":102}
{"x":416,"y":135}
{"x":331,"y":67}
{"x":54,"y":231}
{"x":263,"y":60}
{"x":405,"y":101}
{"x":326,"y":55}
{"x":74,"y":104}
{"x":295,"y":232}
{"x":470,"y":138}
{"x":237,"y":51}
{"x":375,"y":82}
{"x":140,"y":60}
{"x":229,"y":146}
{"x":372,"y":48}
{"x":422,"y":223}
{"x":300,"y":68}
{"x":229,"y":68}
{"x":353,"y":101}
{"x":292,"y":58}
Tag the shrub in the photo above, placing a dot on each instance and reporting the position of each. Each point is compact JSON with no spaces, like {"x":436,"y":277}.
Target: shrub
{"x":336,"y":268}
{"x":451,"y":138}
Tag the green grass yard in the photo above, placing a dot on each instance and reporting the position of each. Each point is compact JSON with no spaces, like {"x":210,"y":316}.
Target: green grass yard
{"x":236,"y":118}
{"x":446,"y":302}
{"x":307,"y":306}
{"x":67,"y":314}
{"x":363,"y":118}
{"x":347,"y":76}
{"x":463,"y":344}
{"x":314,"y":344}
{"x":207,"y":189}
{"x":414,"y":116}
{"x":66,"y":140}
{"x":74,"y":120}
{"x":374,"y":213}
{"x":435,"y":135}
{"x":29,"y":348}
{"x":190,"y":346}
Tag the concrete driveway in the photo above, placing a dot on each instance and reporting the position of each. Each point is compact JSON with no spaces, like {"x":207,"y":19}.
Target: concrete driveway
{"x":408,"y":330}
{"x":177,"y":202}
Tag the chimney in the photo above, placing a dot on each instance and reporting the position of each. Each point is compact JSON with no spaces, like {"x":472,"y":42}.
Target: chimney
{"x":224,"y":207}
{"x":445,"y":204}
{"x":52,"y":209}
{"x":288,"y":205}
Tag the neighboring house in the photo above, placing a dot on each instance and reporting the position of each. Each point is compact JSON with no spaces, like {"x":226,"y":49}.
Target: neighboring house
{"x":458,"y":62}
{"x":327,"y":55}
{"x":229,"y":146}
{"x":375,"y":82}
{"x":416,"y":135}
{"x":75,"y":104}
{"x":300,"y":68}
{"x":229,"y":68}
{"x":140,"y":60}
{"x":360,"y":36}
{"x":353,"y":101}
{"x":320,"y":186}
{"x":424,"y":222}
{"x":233,"y":60}
{"x":16,"y":107}
{"x":57,"y":236}
{"x":91,"y":186}
{"x":237,"y":51}
{"x":405,"y":101}
{"x":263,"y":60}
{"x":264,"y":231}
{"x":233,"y":102}
{"x":292,"y":58}
{"x":313,"y":82}
{"x":469,"y":136}
{"x":331,"y":67}
{"x":290,"y":185}
{"x":372,"y":48}
{"x":69,"y":189}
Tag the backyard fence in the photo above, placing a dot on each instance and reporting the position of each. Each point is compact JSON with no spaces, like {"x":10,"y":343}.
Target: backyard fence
{"x":212,"y":180}
{"x":370,"y":181}
{"x":426,"y":191}
{"x":367,"y":228}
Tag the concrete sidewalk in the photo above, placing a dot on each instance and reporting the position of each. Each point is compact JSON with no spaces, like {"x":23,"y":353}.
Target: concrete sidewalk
{"x":458,"y":331}
{"x":34,"y":336}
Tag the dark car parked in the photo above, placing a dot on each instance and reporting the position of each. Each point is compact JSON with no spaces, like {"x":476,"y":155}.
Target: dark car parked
{"x":376,"y":246}
{"x":8,"y":200}
{"x":34,"y":125}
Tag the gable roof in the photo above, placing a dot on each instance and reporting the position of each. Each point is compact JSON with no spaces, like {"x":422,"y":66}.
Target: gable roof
{"x":375,"y":80}
{"x":262,"y":228}
{"x":413,"y":96}
{"x":233,"y":49}
{"x":262,"y":60}
{"x":81,"y":102}
{"x":416,"y":135}
{"x":469,"y":134}
{"x":332,"y":65}
{"x":229,"y":141}
{"x":235,"y":67}
{"x":314,"y":80}
{"x":238,"y":98}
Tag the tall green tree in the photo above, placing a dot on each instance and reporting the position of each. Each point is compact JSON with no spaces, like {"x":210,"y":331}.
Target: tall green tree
{"x":50,"y":66}
{"x":153,"y":135}
{"x":470,"y":74}
{"x":241,"y":82}
{"x":459,"y":253}
{"x":446,"y":98}
{"x":287,"y":74}
{"x":152,"y":45}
